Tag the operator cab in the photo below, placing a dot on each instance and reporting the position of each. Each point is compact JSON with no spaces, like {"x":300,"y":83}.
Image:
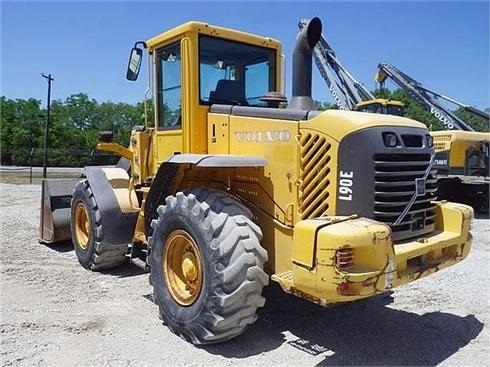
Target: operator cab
{"x":197,"y":65}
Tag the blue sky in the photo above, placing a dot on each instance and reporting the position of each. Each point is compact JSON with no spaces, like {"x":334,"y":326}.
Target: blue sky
{"x":85,"y":45}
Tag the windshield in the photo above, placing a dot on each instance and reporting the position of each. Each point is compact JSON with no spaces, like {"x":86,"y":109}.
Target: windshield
{"x":371,"y":108}
{"x":395,"y":110}
{"x":235,"y":73}
{"x":376,"y":107}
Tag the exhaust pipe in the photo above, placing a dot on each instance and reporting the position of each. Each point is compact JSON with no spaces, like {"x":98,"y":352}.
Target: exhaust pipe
{"x":302,"y":65}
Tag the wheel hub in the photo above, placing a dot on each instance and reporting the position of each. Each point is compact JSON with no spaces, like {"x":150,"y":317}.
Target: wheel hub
{"x":189,"y":267}
{"x":82,"y":226}
{"x":182,"y":267}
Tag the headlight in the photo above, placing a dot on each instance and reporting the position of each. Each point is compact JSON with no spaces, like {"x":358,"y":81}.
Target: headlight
{"x":430,"y":141}
{"x":390,"y":139}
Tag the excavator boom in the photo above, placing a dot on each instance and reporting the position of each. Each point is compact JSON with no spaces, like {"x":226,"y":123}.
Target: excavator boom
{"x":427,"y":97}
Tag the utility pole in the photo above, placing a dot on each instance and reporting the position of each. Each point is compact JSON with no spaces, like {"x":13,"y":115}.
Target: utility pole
{"x":46,"y":136}
{"x":45,"y":160}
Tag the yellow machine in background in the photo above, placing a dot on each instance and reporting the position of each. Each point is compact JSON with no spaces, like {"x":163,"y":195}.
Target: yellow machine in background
{"x":224,"y":189}
{"x":462,"y":160}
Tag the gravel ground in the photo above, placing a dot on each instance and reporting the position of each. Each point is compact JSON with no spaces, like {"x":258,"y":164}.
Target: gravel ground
{"x":55,"y":313}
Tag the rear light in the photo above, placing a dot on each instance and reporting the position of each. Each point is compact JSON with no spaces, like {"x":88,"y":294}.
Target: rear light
{"x":344,"y":258}
{"x":343,"y":288}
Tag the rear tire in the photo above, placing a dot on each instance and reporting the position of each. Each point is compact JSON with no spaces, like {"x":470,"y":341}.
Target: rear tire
{"x":206,"y":266}
{"x":92,"y":250}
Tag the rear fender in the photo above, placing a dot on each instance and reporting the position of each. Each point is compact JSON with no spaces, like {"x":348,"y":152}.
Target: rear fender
{"x":171,"y":172}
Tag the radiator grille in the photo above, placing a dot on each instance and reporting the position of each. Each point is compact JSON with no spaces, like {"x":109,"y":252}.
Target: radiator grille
{"x":314,"y":176}
{"x":395,"y":185}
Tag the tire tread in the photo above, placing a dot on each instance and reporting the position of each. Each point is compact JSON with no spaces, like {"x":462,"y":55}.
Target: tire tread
{"x":237,"y":261}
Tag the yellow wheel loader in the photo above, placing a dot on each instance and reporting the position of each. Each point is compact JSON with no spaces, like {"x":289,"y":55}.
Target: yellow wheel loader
{"x":225,"y":190}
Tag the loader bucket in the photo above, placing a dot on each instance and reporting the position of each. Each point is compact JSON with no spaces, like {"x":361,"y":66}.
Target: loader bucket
{"x":54,"y":223}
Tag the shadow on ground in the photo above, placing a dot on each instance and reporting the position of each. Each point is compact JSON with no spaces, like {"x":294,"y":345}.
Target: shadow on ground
{"x":361,"y":333}
{"x":127,"y":269}
{"x":63,"y":246}
{"x":482,"y":215}
{"x":366,"y":332}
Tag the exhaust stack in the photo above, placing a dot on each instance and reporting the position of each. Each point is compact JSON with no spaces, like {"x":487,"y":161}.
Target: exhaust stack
{"x":302,"y":65}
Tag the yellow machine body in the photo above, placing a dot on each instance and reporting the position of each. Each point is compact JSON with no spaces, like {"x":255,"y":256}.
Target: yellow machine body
{"x":458,"y":145}
{"x":354,"y":258}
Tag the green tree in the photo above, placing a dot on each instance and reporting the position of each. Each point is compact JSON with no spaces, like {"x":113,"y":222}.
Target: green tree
{"x":70,"y":144}
{"x":81,"y":111}
{"x":22,"y":127}
{"x":74,"y":126}
{"x":478,"y":123}
{"x":322,"y":106}
{"x":120,"y":118}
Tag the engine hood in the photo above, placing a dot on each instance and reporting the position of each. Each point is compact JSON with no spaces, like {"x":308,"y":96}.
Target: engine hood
{"x":338,"y":124}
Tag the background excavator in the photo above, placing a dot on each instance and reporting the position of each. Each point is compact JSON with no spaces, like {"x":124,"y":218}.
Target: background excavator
{"x":461,"y":152}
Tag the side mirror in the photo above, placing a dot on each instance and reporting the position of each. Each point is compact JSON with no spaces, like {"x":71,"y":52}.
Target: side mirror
{"x":134,"y":63}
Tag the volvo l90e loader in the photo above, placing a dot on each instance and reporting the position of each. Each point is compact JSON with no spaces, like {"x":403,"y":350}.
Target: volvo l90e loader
{"x":224,"y":189}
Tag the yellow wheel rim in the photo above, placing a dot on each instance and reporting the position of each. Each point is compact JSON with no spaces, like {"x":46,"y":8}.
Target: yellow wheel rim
{"x":182,"y":267}
{"x":82,"y":226}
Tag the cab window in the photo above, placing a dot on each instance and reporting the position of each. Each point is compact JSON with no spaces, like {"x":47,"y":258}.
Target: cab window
{"x":232,"y":72}
{"x":169,"y":87}
{"x":371,"y":108}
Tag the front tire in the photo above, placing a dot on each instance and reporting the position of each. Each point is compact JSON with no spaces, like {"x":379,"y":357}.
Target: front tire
{"x":92,"y":250}
{"x":206,"y":266}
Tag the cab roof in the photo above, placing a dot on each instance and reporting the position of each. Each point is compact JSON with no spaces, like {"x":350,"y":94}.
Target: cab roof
{"x":381,"y":101}
{"x":211,"y":30}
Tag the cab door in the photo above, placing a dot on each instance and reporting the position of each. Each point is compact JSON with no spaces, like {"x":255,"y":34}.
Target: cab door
{"x":168,"y":101}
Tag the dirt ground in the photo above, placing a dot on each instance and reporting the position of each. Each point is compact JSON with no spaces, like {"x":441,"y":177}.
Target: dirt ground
{"x":55,"y":313}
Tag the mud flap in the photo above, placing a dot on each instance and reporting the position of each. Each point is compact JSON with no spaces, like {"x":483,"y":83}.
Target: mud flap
{"x":54,"y":223}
